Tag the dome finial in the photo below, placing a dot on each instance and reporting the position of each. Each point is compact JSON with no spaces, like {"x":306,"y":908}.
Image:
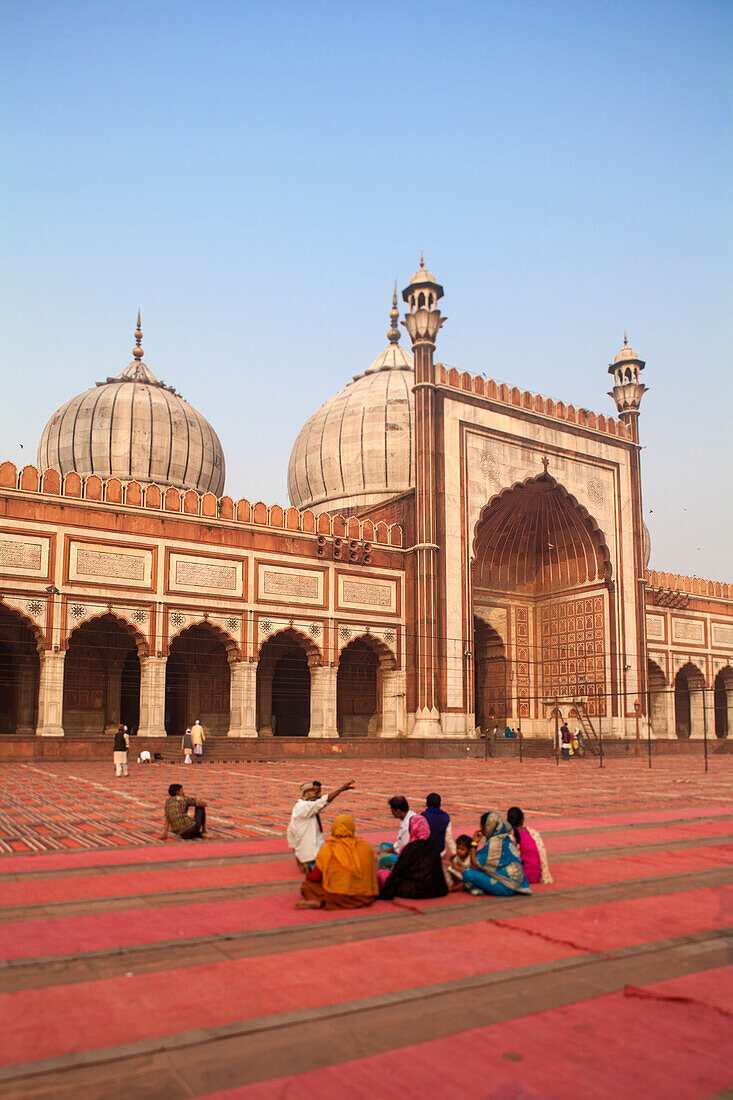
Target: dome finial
{"x":422,"y":262}
{"x":137,"y":351}
{"x":626,"y":342}
{"x":394,"y":315}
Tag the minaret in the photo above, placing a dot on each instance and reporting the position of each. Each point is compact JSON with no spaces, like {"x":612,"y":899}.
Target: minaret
{"x":627,"y":392}
{"x":423,"y":321}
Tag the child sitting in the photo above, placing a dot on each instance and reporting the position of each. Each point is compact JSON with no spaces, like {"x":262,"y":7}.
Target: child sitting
{"x":531,"y":848}
{"x":460,"y":862}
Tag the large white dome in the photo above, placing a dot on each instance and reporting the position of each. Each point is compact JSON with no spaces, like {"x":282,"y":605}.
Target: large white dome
{"x":356,"y":449}
{"x":136,"y":428}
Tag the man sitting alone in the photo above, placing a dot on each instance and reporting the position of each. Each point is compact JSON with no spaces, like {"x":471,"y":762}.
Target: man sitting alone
{"x":177,"y":819}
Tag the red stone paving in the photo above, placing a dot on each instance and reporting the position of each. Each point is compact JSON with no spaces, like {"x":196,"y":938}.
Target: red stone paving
{"x":99,"y":844}
{"x":62,"y":806}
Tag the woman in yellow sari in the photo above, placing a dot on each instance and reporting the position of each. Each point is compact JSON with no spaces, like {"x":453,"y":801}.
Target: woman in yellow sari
{"x":345,"y":875}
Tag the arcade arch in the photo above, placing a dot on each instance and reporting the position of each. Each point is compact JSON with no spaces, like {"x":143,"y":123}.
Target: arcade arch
{"x":197,"y":680}
{"x":365,"y":666}
{"x":102,"y":677}
{"x":19,"y":674}
{"x":723,"y":702}
{"x":541,"y":562}
{"x":284,"y":685}
{"x":689,"y":685}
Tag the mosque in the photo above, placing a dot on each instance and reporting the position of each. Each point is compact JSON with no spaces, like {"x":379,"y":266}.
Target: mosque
{"x":458,"y":556}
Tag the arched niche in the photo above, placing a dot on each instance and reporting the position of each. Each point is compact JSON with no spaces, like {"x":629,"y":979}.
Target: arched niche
{"x":102,"y":676}
{"x":490,"y":677}
{"x":19,"y":673}
{"x":197,"y":680}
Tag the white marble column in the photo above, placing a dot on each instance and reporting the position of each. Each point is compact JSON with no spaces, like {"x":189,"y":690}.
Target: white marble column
{"x":696,"y":714}
{"x":152,"y":697}
{"x":242,"y":699}
{"x":51,"y":695}
{"x":323,"y":701}
{"x":393,"y":704}
{"x":669,"y":706}
{"x":709,"y":713}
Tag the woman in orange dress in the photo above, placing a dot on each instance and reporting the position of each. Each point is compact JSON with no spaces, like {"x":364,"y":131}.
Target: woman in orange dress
{"x":345,"y":874}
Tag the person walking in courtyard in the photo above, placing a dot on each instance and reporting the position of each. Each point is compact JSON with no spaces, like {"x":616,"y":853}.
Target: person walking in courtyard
{"x":305,"y":832}
{"x":345,"y":873}
{"x":121,"y":745}
{"x":187,"y":747}
{"x":177,"y":818}
{"x":197,"y":740}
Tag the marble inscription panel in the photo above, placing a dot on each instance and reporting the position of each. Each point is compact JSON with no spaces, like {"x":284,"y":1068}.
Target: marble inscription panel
{"x":20,"y":555}
{"x":101,"y":563}
{"x":205,"y":575}
{"x":688,"y":630}
{"x":655,"y":627}
{"x":367,"y":595}
{"x":304,"y":585}
{"x":722,"y":634}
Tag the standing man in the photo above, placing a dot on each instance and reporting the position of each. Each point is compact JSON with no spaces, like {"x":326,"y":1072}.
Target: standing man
{"x":119,"y":754}
{"x":566,"y":739}
{"x":305,"y":833}
{"x":177,"y":819}
{"x":197,"y":740}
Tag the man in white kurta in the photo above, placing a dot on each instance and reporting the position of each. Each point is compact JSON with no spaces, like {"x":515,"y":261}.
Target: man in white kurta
{"x":305,"y":834}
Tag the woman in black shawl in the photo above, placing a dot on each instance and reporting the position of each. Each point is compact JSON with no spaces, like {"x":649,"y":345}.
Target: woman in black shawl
{"x":418,"y":872}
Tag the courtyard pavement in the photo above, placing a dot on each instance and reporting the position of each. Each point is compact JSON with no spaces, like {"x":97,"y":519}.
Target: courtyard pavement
{"x":130,"y":967}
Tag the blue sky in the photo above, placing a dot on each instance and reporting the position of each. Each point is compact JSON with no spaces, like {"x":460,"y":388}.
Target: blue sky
{"x":255,"y":175}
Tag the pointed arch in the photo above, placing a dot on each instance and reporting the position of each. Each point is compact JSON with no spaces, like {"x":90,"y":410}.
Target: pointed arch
{"x":536,"y":534}
{"x":290,"y":634}
{"x":140,"y":641}
{"x":39,"y":637}
{"x":386,"y":657}
{"x":233,"y":651}
{"x":20,"y":647}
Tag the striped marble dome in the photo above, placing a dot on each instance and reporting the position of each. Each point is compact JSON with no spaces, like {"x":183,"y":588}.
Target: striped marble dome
{"x":356,"y":449}
{"x":135,"y":428}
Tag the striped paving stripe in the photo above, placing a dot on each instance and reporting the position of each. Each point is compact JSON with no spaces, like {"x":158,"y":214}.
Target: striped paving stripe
{"x":200,"y":1061}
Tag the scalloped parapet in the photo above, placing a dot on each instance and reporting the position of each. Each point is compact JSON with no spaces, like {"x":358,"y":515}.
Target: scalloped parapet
{"x":532,"y":402}
{"x":695,"y":586}
{"x":189,"y":503}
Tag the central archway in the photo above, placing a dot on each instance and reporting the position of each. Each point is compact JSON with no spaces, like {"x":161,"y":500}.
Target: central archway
{"x":197,"y":681}
{"x":542,"y":567}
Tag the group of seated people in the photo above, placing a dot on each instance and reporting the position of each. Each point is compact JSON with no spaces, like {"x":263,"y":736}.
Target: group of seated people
{"x":501,"y":858}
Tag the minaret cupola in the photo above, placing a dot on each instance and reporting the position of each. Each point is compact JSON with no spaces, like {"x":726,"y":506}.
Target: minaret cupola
{"x":423,"y":319}
{"x":628,"y":389}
